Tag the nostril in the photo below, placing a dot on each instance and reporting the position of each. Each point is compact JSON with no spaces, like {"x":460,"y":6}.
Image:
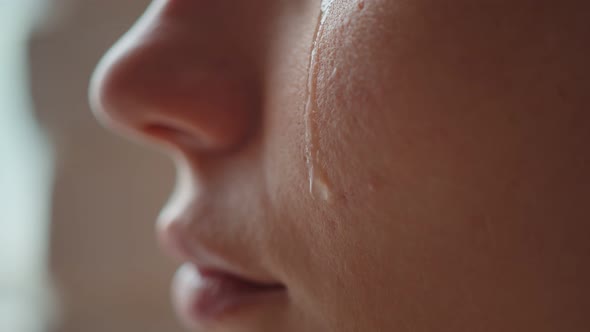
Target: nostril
{"x":208,"y":111}
{"x":174,"y":136}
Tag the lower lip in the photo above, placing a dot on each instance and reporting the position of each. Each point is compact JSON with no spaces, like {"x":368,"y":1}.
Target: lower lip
{"x":208,"y":299}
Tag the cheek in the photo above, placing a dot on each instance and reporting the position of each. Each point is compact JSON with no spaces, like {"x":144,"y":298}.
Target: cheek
{"x":433,"y":105}
{"x":439,"y":181}
{"x":414,"y":103}
{"x":359,"y":119}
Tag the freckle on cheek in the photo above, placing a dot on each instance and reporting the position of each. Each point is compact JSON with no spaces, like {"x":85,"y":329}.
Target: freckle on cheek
{"x":361,"y":4}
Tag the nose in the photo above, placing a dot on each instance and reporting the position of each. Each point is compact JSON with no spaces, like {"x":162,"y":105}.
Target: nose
{"x":176,"y":79}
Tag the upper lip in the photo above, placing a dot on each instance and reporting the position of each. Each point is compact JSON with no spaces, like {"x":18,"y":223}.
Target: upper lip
{"x":175,"y":240}
{"x":252,"y":284}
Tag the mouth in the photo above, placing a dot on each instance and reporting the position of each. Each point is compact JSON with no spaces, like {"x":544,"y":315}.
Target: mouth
{"x":205,"y":297}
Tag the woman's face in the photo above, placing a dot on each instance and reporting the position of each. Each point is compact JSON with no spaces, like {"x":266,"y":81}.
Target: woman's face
{"x":383,"y":165}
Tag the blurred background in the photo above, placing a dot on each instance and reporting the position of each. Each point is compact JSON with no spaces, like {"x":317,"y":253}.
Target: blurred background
{"x":78,"y":205}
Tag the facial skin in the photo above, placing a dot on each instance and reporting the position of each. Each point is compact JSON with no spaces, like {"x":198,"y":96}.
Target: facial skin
{"x":453,"y":137}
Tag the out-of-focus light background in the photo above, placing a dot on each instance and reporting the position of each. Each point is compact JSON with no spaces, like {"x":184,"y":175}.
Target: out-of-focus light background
{"x":77,"y":205}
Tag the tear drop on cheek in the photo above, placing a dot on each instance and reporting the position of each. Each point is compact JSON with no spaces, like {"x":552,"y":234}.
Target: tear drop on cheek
{"x":321,"y":188}
{"x":318,"y":182}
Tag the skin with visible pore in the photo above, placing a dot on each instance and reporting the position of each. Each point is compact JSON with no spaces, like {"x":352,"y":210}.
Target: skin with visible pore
{"x":452,"y":138}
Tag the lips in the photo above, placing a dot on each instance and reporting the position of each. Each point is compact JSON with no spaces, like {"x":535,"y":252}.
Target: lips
{"x":208,"y":297}
{"x":221,"y":284}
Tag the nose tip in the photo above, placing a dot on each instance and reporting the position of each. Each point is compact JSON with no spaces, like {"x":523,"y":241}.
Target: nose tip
{"x":163,"y":88}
